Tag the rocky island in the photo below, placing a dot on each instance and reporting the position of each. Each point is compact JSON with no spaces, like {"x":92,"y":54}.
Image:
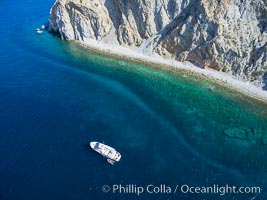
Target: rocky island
{"x":227,"y":36}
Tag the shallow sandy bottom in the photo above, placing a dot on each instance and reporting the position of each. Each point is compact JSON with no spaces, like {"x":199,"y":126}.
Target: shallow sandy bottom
{"x":223,"y":78}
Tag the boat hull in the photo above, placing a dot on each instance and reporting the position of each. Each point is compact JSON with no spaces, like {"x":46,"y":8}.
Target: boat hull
{"x":106,"y":151}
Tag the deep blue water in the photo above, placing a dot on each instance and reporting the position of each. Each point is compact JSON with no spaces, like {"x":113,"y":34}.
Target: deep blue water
{"x":55,"y":98}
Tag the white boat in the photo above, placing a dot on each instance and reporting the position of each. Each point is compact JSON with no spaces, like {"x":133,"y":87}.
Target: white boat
{"x":39,"y":31}
{"x":106,"y":151}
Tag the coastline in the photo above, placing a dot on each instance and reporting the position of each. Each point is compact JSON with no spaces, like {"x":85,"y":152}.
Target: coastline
{"x":227,"y":80}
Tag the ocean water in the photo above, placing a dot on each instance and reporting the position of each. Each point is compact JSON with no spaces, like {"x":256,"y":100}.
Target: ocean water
{"x":56,"y":97}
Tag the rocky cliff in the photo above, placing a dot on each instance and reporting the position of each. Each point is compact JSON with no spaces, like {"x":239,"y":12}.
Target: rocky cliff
{"x":226,"y":35}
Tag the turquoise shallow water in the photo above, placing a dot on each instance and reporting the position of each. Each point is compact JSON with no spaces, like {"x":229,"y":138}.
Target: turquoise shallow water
{"x":168,"y":125}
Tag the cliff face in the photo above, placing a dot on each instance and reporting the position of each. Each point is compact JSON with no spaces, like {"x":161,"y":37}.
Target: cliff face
{"x":226,"y":35}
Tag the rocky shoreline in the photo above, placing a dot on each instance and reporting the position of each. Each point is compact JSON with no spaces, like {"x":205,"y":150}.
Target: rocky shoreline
{"x":226,"y":41}
{"x":221,"y":78}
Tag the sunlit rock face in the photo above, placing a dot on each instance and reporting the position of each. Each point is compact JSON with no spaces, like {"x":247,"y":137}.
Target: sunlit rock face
{"x":226,"y":35}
